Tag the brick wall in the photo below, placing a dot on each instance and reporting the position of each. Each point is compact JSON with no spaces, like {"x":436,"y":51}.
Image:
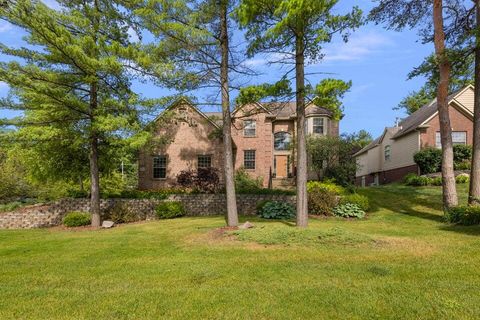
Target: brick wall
{"x":39,"y":216}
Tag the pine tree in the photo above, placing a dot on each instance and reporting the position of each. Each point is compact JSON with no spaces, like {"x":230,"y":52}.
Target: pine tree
{"x":296,"y":29}
{"x":72,"y":82}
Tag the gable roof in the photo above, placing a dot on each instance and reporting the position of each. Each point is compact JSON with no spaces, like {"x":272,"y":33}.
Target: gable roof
{"x":185,"y":101}
{"x":426,"y":112}
{"x":378,"y":141}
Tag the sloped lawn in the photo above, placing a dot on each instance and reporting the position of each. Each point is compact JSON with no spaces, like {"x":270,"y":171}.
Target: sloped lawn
{"x":401,"y":262}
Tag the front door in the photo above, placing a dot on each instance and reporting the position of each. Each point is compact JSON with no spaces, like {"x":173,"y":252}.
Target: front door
{"x":281,"y":167}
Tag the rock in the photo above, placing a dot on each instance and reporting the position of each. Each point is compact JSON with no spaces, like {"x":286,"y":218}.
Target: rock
{"x":246,"y":225}
{"x":108,"y":224}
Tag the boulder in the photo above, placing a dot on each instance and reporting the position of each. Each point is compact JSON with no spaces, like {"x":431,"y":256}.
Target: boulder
{"x":108,"y":224}
{"x":246,"y":225}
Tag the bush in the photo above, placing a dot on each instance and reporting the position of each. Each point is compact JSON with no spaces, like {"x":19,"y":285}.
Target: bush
{"x":429,"y":160}
{"x":327,"y":185}
{"x":260,"y":206}
{"x":321,"y":200}
{"x":412,"y":179}
{"x":244,"y":183}
{"x":140,"y":194}
{"x":121,"y":212}
{"x":358,"y":199}
{"x":462,"y":178}
{"x":464,"y":165}
{"x":170,"y":210}
{"x":277,"y":210}
{"x":464,"y":215}
{"x":436,"y":181}
{"x":77,"y":219}
{"x":203,"y":180}
{"x":348,"y":210}
{"x":461,"y":153}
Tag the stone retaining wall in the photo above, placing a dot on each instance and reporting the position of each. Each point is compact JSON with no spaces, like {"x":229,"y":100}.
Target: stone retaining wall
{"x":38,"y":216}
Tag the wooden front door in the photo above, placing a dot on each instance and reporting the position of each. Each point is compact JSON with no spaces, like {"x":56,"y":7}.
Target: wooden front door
{"x":281,"y":166}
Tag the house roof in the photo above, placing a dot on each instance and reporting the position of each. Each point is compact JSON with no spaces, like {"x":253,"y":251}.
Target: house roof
{"x":184,"y":100}
{"x":417,"y":118}
{"x":378,"y":141}
{"x":288,"y":109}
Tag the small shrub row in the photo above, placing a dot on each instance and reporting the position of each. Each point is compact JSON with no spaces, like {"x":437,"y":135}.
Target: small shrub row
{"x":77,"y":219}
{"x":429,"y":160}
{"x":321,"y":200}
{"x":326,"y":185}
{"x":357,"y":199}
{"x":464,"y":215}
{"x":417,"y":181}
{"x":121,"y":212}
{"x":170,"y":210}
{"x":276,"y":210}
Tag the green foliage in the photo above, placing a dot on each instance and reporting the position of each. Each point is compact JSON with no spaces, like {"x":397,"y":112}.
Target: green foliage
{"x":321,"y":200}
{"x":329,"y":94}
{"x":331,"y":157}
{"x":328,"y":185}
{"x":244,"y":183}
{"x":465,"y":165}
{"x":461,"y":154}
{"x":277,"y":210}
{"x":349,"y":210}
{"x":462,"y":178}
{"x":415,"y":180}
{"x":437,"y":181}
{"x":360,"y":200}
{"x":121,"y":212}
{"x":256,"y":93}
{"x":77,"y":219}
{"x":429,"y":160}
{"x":170,"y":210}
{"x":415,"y":100}
{"x":464,"y":215}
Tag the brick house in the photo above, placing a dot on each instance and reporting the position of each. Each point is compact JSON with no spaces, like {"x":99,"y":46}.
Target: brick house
{"x":186,"y":138}
{"x":390,"y":157}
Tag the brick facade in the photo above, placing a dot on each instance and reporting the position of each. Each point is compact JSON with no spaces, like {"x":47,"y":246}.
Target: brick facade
{"x":459,"y":122}
{"x":184,"y":133}
{"x":40,"y":216}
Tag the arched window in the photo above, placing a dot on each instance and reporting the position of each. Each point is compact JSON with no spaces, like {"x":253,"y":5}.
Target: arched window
{"x":282,"y":140}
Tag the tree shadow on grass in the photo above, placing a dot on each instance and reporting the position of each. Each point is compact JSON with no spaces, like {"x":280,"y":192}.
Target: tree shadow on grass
{"x":468,"y":230}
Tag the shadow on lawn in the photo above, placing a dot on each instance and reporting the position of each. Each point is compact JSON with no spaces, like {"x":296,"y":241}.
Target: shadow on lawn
{"x":403,"y":200}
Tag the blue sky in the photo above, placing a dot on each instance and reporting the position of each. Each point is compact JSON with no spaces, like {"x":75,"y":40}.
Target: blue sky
{"x":376,"y":60}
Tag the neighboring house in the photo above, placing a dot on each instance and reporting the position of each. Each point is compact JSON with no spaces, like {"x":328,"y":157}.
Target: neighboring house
{"x":390,"y":157}
{"x":186,"y":138}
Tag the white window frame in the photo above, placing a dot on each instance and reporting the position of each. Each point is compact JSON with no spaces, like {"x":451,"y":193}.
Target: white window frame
{"x":455,"y":139}
{"x":388,"y":153}
{"x":323,"y":125}
{"x":247,"y":159}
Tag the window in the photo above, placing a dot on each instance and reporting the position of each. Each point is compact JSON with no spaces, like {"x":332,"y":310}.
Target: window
{"x":458,"y":137}
{"x":159,"y":167}
{"x":249,"y":128}
{"x":318,"y":125}
{"x":282,"y":140}
{"x":249,"y":159}
{"x":204,"y":161}
{"x":388,"y":152}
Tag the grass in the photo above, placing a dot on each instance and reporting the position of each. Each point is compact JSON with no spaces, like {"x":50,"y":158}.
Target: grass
{"x":400,"y":262}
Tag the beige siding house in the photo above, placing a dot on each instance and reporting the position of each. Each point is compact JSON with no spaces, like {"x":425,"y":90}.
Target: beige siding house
{"x":390,"y":157}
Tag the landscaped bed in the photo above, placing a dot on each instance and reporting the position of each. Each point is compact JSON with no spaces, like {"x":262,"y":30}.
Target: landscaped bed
{"x":402,"y":261}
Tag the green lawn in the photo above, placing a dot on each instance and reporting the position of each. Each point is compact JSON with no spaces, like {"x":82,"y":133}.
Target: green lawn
{"x":401,"y":262}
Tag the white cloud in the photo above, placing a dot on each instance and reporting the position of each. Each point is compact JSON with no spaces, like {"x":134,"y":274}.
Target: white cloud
{"x":132,"y":35}
{"x":52,"y":4}
{"x":5,"y":26}
{"x":3,"y":86}
{"x":360,"y":46}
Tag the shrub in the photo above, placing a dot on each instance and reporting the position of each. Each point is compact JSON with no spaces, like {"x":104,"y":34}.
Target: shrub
{"x":417,"y":181}
{"x":321,"y":200}
{"x":327,"y":185}
{"x":277,"y":210}
{"x":260,"y":206}
{"x":244,"y":183}
{"x":77,"y":219}
{"x":462,"y":178}
{"x":436,"y":181}
{"x":11,"y":206}
{"x":358,"y":199}
{"x":464,"y":165}
{"x":140,"y":194}
{"x":349,"y":210}
{"x":203,"y":180}
{"x":464,"y":215}
{"x":429,"y":160}
{"x":461,"y":153}
{"x":121,"y":212}
{"x":170,"y":210}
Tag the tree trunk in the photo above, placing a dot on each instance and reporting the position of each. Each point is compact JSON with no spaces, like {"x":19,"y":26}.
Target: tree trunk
{"x":232,"y":215}
{"x":302,"y":200}
{"x":448,"y":175}
{"x":94,"y":171}
{"x":474,"y":193}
